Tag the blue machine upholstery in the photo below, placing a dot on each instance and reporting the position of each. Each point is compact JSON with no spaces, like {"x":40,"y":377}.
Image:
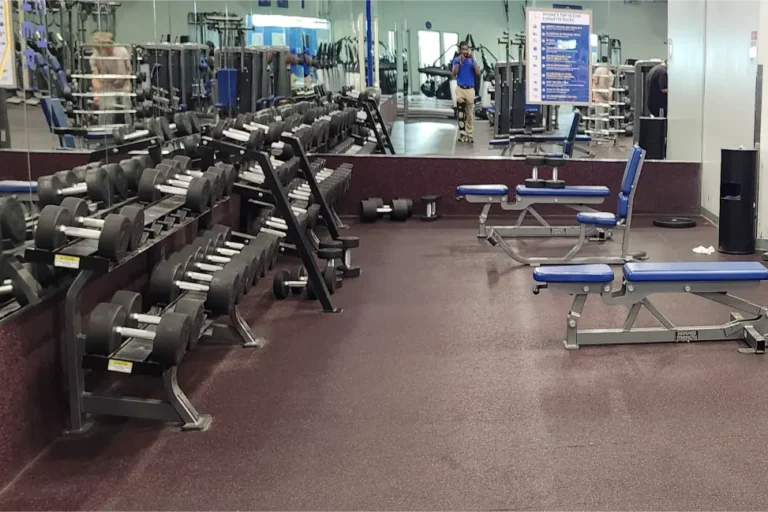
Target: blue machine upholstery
{"x":482,"y":190}
{"x":696,"y":271}
{"x":537,"y":138}
{"x":599,"y":273}
{"x":597,"y":191}
{"x":18,"y":187}
{"x":628,"y":181}
{"x":57,"y":118}
{"x":603,"y":219}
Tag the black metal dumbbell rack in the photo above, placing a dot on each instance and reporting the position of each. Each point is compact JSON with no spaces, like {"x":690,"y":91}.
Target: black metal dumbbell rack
{"x":373,"y":116}
{"x":281,"y":202}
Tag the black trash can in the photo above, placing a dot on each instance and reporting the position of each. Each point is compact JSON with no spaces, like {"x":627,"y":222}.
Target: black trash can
{"x":653,"y":137}
{"x":738,"y":185}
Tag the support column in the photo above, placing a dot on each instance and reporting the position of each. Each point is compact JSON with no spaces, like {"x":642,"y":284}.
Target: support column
{"x":369,"y":43}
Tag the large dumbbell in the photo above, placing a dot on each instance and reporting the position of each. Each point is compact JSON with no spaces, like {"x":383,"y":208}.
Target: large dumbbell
{"x":193,"y":258}
{"x":197,"y":197}
{"x":108,"y":326}
{"x":8,"y":288}
{"x":78,"y":208}
{"x":175,"y":177}
{"x":297,"y":280}
{"x":153,"y":129}
{"x":222,"y":289}
{"x":193,"y":308}
{"x":253,"y":255}
{"x":246,"y":123}
{"x":372,"y":209}
{"x":253,"y":140}
{"x":133,"y":168}
{"x":51,"y":190}
{"x":55,"y":224}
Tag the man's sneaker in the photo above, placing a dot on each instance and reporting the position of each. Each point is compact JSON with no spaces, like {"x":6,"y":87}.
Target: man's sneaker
{"x":463,"y":138}
{"x":471,"y":140}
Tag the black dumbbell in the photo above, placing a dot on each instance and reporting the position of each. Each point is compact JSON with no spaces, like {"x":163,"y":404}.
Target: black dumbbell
{"x":534,"y":181}
{"x":197,"y":197}
{"x":176,"y":177}
{"x":286,"y":282}
{"x":253,"y":140}
{"x":246,"y":124}
{"x":108,"y":327}
{"x":55,"y":224}
{"x":347,"y":244}
{"x":194,"y":258}
{"x":78,"y":208}
{"x":193,"y":308}
{"x":153,"y":129}
{"x":51,"y":190}
{"x":222,"y":289}
{"x":373,"y":209}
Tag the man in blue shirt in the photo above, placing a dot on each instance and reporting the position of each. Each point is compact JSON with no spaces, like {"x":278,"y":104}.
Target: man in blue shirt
{"x":465,"y":68}
{"x":303,"y":60}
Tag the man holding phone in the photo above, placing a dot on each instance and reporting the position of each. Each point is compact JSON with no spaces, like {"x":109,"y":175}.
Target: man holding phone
{"x":465,"y":68}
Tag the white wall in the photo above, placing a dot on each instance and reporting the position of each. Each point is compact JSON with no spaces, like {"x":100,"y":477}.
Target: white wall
{"x":729,"y":88}
{"x":687,"y":26}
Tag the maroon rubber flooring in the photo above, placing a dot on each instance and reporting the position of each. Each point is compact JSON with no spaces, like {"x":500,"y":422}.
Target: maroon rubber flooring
{"x":443,"y":385}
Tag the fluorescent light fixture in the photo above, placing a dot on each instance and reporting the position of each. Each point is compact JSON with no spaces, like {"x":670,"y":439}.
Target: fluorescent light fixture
{"x":276,"y":20}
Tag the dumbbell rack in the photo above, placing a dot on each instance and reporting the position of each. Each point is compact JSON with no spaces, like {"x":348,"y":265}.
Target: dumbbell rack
{"x":282,"y":204}
{"x":383,"y":139}
{"x":606,"y":127}
{"x":151,"y":144}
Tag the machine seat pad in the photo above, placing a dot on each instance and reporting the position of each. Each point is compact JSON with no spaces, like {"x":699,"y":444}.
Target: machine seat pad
{"x":482,"y":190}
{"x":588,"y":191}
{"x":598,"y":273}
{"x":603,"y":219}
{"x":696,"y":271}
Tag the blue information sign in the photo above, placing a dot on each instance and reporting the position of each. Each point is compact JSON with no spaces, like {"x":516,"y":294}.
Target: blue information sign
{"x":558,"y":67}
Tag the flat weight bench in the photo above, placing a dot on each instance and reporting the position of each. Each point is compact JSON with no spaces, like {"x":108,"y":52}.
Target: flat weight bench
{"x":715,"y":281}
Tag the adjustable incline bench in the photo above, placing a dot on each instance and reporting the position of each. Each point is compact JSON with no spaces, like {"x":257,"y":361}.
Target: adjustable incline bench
{"x":568,"y":142}
{"x":715,"y":281}
{"x":588,"y":220}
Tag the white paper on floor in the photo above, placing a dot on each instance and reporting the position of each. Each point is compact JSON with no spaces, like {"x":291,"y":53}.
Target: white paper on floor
{"x":704,"y":250}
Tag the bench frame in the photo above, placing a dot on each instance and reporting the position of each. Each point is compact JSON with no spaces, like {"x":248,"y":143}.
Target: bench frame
{"x":746,"y":324}
{"x":585,"y":234}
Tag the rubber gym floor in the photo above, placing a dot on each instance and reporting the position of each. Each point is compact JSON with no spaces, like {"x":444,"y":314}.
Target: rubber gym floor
{"x":443,"y":385}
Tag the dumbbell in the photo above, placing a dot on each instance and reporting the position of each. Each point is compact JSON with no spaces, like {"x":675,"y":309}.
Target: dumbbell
{"x":81,"y":170}
{"x":534,"y":181}
{"x":177,"y":178}
{"x":55,"y":224}
{"x":271,"y":132}
{"x":194,"y":269}
{"x":249,"y":259}
{"x":153,"y":129}
{"x":293,"y":282}
{"x":189,"y":306}
{"x":197,"y":197}
{"x":253,"y":140}
{"x":347,"y":244}
{"x":555,"y":163}
{"x":78,"y":208}
{"x":372,"y":209}
{"x":222,"y":289}
{"x":133,"y":168}
{"x":51,"y":190}
{"x":108,"y":326}
{"x":8,"y":288}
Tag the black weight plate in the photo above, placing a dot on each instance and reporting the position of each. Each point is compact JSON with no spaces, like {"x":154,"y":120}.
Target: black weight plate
{"x":165,"y":126}
{"x":13,"y":225}
{"x":532,"y":183}
{"x":98,"y":186}
{"x":191,"y":144}
{"x":80,"y":171}
{"x":155,"y":128}
{"x":194,"y":122}
{"x":310,"y":116}
{"x":199,"y":196}
{"x":172,"y":337}
{"x":145,"y":161}
{"x":148,"y":192}
{"x":132,"y":169}
{"x":115,"y":237}
{"x":675,"y":223}
{"x":204,"y":244}
{"x":135,"y":214}
{"x":68,"y":178}
{"x":216,"y":178}
{"x":194,"y":309}
{"x":317,"y":133}
{"x":256,"y":139}
{"x":217,"y":239}
{"x":279,"y":288}
{"x":47,"y":234}
{"x":275,"y":130}
{"x":48,"y":188}
{"x":117,"y":180}
{"x":223,"y":291}
{"x":162,"y":288}
{"x":77,"y":207}
{"x":218,"y":130}
{"x":183,"y":161}
{"x":223,"y":230}
{"x":329,"y":276}
{"x":100,"y":335}
{"x":184,"y":258}
{"x":399,"y":210}
{"x":240,"y":122}
{"x":557,"y":184}
{"x":131,"y":302}
{"x":368,"y":211}
{"x":183,"y":125}
{"x":230,"y":176}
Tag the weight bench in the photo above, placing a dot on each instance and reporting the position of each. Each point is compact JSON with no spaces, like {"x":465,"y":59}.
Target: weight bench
{"x":568,"y":142}
{"x":588,"y":221}
{"x":577,"y":198}
{"x":715,"y":281}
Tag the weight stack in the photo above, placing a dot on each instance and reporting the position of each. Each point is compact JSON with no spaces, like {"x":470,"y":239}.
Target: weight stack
{"x":653,"y":137}
{"x":738,"y":185}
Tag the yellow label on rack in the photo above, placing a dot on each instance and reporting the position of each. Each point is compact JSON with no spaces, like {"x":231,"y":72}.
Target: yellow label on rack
{"x":119,"y":366}
{"x":61,"y":260}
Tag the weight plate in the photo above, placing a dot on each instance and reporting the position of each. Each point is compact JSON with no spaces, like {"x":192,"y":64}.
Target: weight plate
{"x":223,"y":230}
{"x":217,"y":239}
{"x":194,"y":121}
{"x":368,"y":211}
{"x":98,"y":186}
{"x":165,"y":126}
{"x":115,"y":237}
{"x":194,"y":309}
{"x":77,"y":207}
{"x":48,"y":188}
{"x":101,"y":337}
{"x":279,"y":288}
{"x":134,"y":214}
{"x":184,"y":162}
{"x":47,"y":234}
{"x":131,"y":302}
{"x":80,"y":171}
{"x":223,"y":291}
{"x":148,"y":183}
{"x":199,"y":196}
{"x":132,"y":170}
{"x":172,"y":337}
{"x":13,"y":225}
{"x":675,"y":223}
{"x":183,"y":125}
{"x":117,"y":180}
{"x":162,"y":288}
{"x":534,"y":183}
{"x":68,"y":178}
{"x":558,"y":184}
{"x":329,"y":277}
{"x":155,"y":128}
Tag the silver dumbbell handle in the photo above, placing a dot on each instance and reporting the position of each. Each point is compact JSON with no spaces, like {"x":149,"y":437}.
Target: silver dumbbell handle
{"x":91,"y":234}
{"x":276,"y":225}
{"x":234,"y":245}
{"x":236,"y":135}
{"x":197,"y":276}
{"x":90,"y":222}
{"x":138,"y":134}
{"x":252,"y":127}
{"x":130,"y":332}
{"x":174,"y":182}
{"x":79,"y":188}
{"x":295,"y":284}
{"x":205,"y":267}
{"x":194,"y":174}
{"x":187,"y":176}
{"x":6,"y":288}
{"x":166,"y":189}
{"x":145,"y":319}
{"x":191,"y":287}
{"x":226,"y":252}
{"x":217,"y":259}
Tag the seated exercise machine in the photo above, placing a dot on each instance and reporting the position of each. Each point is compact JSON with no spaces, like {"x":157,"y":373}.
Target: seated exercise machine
{"x":568,"y":141}
{"x":715,"y":281}
{"x":590,"y":221}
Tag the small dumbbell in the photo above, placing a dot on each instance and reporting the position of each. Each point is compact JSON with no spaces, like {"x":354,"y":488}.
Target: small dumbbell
{"x":347,"y":244}
{"x":372,"y":209}
{"x":51,"y":190}
{"x":222,"y":289}
{"x":286,"y":282}
{"x":195,"y":258}
{"x":253,"y":140}
{"x":107,"y":327}
{"x":197,"y":197}
{"x":55,"y":224}
{"x":189,"y":306}
{"x":153,"y":129}
{"x":78,"y":208}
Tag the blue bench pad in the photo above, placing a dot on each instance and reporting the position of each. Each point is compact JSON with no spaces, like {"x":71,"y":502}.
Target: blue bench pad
{"x":482,"y":190}
{"x":542,"y":139}
{"x":586,"y":191}
{"x":18,"y":187}
{"x":696,"y":271}
{"x":574,"y":274}
{"x":604,"y":219}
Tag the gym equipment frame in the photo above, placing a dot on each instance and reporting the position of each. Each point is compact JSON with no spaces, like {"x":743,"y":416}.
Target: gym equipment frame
{"x":747,"y":323}
{"x":383,"y":139}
